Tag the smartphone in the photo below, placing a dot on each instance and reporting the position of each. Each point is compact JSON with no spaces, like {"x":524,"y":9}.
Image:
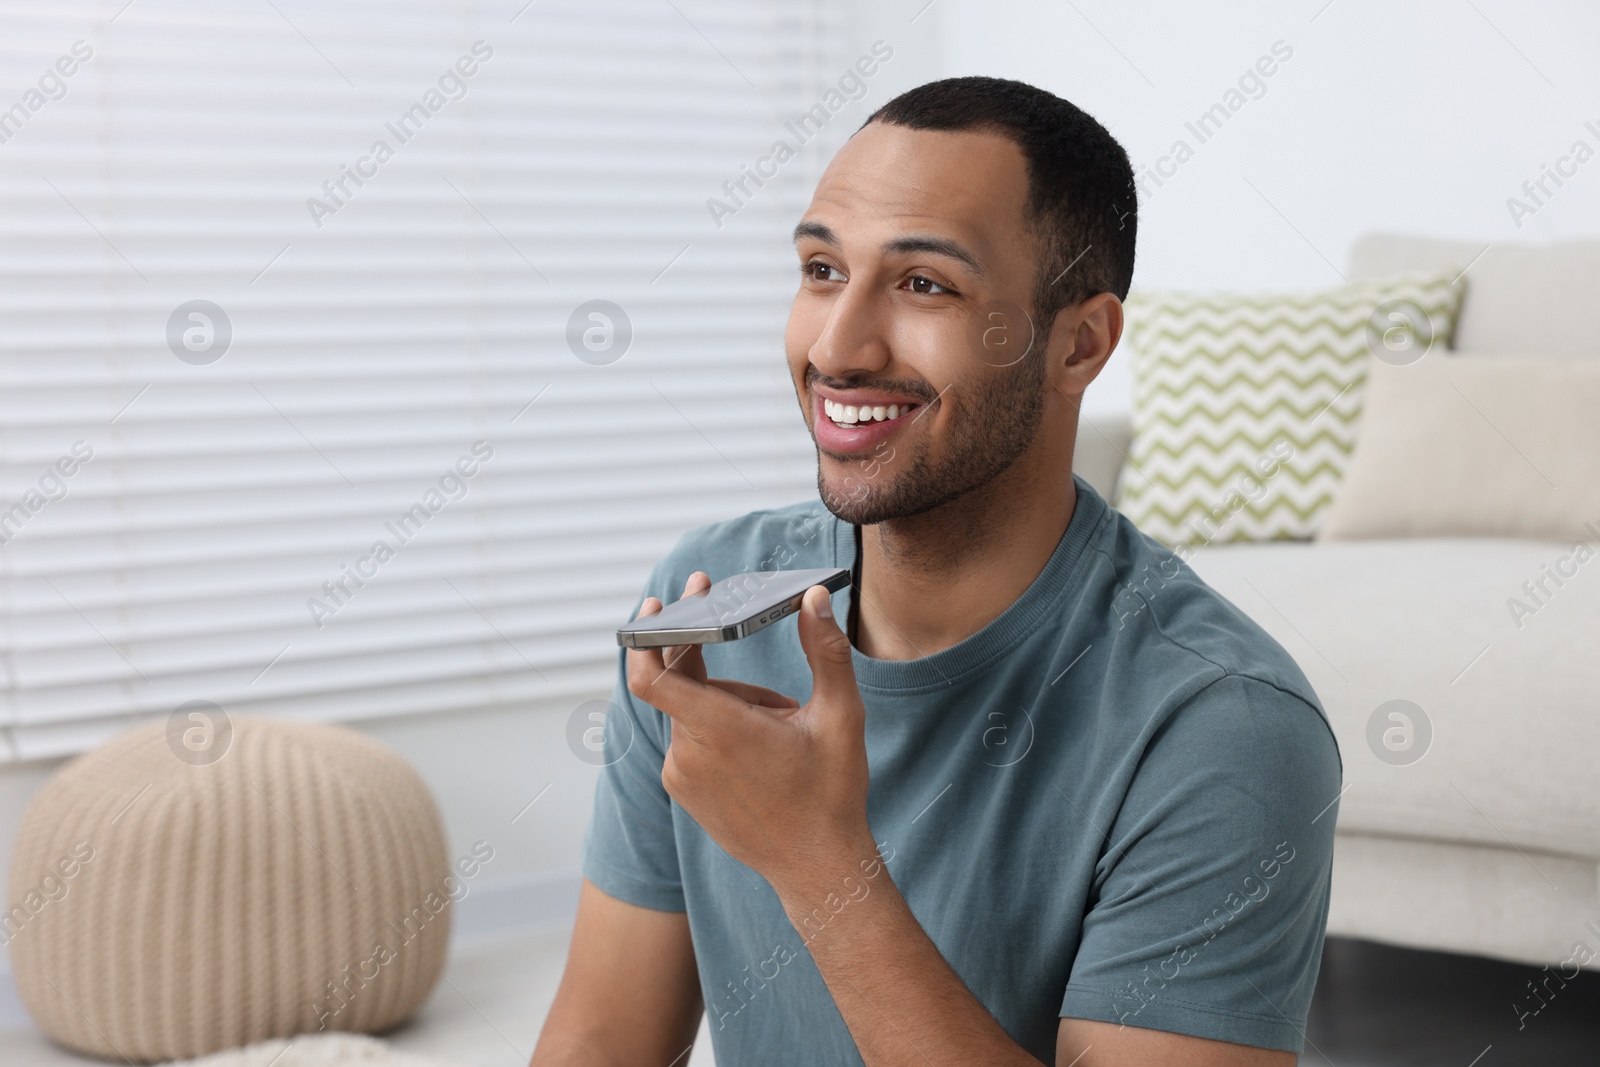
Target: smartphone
{"x":732,"y":608}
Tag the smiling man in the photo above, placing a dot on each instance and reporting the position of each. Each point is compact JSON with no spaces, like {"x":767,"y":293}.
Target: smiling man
{"x":1045,"y":797}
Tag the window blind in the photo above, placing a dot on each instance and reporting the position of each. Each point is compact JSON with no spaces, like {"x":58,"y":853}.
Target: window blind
{"x":305,"y":427}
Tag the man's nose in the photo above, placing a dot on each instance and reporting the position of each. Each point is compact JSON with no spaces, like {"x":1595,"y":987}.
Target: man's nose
{"x":855,"y":338}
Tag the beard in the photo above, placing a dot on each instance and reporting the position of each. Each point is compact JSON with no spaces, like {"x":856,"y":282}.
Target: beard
{"x":991,"y":425}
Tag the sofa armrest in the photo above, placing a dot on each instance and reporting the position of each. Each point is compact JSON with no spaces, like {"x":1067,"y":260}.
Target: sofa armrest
{"x":1102,"y":445}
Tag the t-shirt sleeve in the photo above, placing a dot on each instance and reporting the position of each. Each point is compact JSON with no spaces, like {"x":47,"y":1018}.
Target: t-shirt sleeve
{"x":629,"y":848}
{"x":1211,"y":894}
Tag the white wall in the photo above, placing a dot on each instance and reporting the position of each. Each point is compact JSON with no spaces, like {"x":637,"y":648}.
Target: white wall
{"x":1411,"y":117}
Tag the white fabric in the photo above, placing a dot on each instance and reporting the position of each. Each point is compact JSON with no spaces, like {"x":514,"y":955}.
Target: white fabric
{"x":315,"y":1050}
{"x":1526,"y":906}
{"x":1474,"y":445}
{"x":1521,"y":298}
{"x":1101,"y":450}
{"x":1515,"y":730}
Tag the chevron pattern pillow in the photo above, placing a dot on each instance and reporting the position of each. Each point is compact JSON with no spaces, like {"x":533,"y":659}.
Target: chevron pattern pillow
{"x":1245,"y":407}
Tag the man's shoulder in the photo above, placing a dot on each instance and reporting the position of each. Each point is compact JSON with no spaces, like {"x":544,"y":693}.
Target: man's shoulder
{"x":1174,"y":621}
{"x":790,"y":537}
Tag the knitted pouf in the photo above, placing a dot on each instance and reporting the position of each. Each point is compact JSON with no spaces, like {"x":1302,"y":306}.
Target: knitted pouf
{"x":187,"y":889}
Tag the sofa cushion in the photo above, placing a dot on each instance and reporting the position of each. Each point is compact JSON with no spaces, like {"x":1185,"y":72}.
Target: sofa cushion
{"x":1244,"y":406}
{"x":1452,"y":897}
{"x":1521,"y":298}
{"x":1100,"y":450}
{"x":1474,"y":445}
{"x":1509,"y":693}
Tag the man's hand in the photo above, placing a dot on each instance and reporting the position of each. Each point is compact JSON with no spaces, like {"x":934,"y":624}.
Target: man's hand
{"x":778,"y":785}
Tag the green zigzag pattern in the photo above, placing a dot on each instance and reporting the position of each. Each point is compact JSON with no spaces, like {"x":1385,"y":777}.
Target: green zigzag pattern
{"x":1218,"y":414}
{"x":1305,"y":385}
{"x":1220,"y":439}
{"x":1176,"y":331}
{"x":1218,"y":485}
{"x":1199,"y":358}
{"x":1269,"y":359}
{"x":1253,"y":509}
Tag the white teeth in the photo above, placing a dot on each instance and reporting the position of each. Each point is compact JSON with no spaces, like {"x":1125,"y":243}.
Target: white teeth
{"x":853,"y":415}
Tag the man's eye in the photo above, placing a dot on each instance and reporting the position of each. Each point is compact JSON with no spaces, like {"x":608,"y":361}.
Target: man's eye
{"x":821,"y":272}
{"x":927,"y":286}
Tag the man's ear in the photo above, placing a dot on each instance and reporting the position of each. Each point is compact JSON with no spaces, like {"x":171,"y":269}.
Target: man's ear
{"x":1083,"y":338}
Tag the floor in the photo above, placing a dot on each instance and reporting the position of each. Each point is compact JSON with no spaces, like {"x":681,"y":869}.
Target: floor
{"x":1374,"y":1007}
{"x":486,"y":1011}
{"x":1377,"y":1006}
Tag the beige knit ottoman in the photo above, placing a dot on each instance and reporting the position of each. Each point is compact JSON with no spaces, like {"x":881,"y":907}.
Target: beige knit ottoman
{"x":204,"y":883}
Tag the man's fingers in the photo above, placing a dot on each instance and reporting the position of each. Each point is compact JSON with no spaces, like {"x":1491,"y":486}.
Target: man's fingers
{"x":646,"y":665}
{"x":698,"y":582}
{"x":685,"y":700}
{"x":673,"y":678}
{"x":687,"y":658}
{"x":758,"y":695}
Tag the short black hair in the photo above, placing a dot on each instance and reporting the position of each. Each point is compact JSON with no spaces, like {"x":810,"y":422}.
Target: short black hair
{"x":1081,"y":195}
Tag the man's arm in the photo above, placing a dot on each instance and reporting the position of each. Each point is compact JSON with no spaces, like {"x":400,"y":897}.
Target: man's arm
{"x":630,"y":994}
{"x":1088,"y":1043}
{"x":899,"y":997}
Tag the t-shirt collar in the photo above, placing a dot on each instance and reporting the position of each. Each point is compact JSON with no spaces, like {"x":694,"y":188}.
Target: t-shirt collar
{"x":1002,"y":634}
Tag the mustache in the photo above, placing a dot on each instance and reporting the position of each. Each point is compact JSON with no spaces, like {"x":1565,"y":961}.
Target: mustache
{"x":918,"y":389}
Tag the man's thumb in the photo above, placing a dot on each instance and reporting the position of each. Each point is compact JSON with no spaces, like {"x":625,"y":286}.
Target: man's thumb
{"x":827,"y":647}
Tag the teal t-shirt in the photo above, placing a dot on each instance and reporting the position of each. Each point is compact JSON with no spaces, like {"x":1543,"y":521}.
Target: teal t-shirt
{"x":1115,"y":801}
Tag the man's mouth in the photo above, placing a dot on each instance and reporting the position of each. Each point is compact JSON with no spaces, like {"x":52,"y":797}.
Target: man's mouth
{"x":860,"y":415}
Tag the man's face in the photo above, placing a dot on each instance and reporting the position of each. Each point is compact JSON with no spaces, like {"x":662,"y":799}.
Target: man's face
{"x":916,"y":268}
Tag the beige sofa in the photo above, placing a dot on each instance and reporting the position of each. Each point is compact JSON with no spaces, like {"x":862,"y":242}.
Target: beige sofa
{"x":1490,"y":843}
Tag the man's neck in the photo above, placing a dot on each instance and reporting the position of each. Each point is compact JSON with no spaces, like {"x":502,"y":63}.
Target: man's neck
{"x":932,"y":580}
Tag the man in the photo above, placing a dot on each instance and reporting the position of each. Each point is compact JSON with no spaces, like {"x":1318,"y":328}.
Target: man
{"x":1045,"y":797}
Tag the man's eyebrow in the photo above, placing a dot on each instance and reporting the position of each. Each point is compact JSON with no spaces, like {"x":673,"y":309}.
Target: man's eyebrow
{"x":938,"y":246}
{"x":817,"y":231}
{"x":902,"y":245}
